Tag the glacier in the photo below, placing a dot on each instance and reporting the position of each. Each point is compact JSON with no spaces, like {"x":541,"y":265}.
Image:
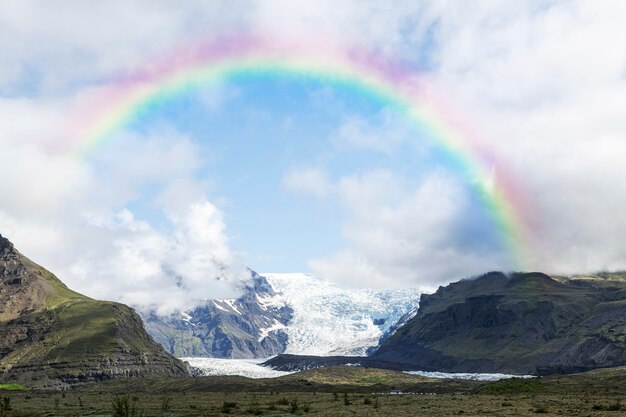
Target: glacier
{"x":329,"y":319}
{"x":249,"y":368}
{"x":285,"y":313}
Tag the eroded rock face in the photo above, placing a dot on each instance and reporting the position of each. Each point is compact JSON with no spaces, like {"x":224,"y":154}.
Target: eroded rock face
{"x":238,"y":329}
{"x":523,"y":323}
{"x":52,"y":336}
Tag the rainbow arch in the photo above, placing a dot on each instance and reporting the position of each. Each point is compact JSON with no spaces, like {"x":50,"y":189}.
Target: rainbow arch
{"x":245,"y":56}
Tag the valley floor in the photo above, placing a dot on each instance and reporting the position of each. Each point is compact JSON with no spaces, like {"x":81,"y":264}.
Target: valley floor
{"x":334,"y":391}
{"x":319,"y":404}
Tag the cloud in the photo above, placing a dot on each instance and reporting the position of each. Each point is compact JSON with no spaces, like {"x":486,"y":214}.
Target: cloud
{"x":57,"y":48}
{"x":78,"y":217}
{"x":545,"y":83}
{"x":401,"y":234}
{"x":163,"y":271}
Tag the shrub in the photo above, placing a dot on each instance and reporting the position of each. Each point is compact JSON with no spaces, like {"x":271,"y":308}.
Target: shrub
{"x":228,"y":406}
{"x":122,"y":407}
{"x":294,"y":405}
{"x":616,"y":406}
{"x":166,"y":404}
{"x":5,"y":405}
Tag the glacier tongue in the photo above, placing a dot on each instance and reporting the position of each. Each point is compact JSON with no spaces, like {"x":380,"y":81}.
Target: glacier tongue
{"x":331,"y":320}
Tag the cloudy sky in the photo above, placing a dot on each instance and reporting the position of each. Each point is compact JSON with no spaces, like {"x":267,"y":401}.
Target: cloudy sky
{"x":300,"y":174}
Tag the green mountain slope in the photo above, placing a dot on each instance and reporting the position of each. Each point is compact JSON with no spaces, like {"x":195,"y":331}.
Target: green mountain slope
{"x":51,"y":335}
{"x":525,"y":323}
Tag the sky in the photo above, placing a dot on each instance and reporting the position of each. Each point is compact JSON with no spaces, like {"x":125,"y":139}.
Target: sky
{"x":296,"y":173}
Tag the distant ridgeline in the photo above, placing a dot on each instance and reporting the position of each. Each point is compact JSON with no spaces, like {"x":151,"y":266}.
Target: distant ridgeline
{"x":54,"y":337}
{"x":525,"y":323}
{"x":279,"y":313}
{"x":242,"y":328}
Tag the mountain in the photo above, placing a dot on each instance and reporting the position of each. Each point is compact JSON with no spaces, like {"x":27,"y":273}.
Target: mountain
{"x":292,"y":313}
{"x":53,"y":336}
{"x":522,"y":323}
{"x":251,"y":326}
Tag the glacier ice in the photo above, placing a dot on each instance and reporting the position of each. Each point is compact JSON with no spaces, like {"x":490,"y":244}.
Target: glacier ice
{"x":332,"y":320}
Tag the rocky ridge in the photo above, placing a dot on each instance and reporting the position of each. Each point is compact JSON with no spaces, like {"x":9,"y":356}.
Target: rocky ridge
{"x":52,"y":336}
{"x":527,"y":323}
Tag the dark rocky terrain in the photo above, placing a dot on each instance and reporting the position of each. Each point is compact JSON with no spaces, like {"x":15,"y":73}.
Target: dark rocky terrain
{"x":524,"y":323}
{"x":225,"y":329}
{"x":53,"y":336}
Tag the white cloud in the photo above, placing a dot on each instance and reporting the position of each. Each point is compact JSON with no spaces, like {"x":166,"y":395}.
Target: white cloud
{"x":545,"y":82}
{"x":548,"y":85}
{"x":73,"y":43}
{"x":71,"y":215}
{"x":402,"y":235}
{"x":160,"y":270}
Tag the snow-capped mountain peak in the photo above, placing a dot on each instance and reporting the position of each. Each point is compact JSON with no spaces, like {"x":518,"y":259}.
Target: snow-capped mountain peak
{"x":286,"y":313}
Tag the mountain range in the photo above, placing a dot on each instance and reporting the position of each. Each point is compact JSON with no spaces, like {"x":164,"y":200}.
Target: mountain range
{"x":521,"y":323}
{"x":286,"y":313}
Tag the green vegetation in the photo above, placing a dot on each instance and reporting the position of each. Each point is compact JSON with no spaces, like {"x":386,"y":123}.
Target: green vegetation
{"x":5,"y":406}
{"x":58,"y":337}
{"x":124,"y":407}
{"x":13,"y":387}
{"x":101,"y":401}
{"x":353,"y":375}
{"x":594,"y":393}
{"x":513,"y":386}
{"x":524,"y":324}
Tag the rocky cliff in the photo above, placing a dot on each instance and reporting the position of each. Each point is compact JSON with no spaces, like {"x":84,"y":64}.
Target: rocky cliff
{"x":522,"y":323}
{"x":53,"y":336}
{"x":239,"y":328}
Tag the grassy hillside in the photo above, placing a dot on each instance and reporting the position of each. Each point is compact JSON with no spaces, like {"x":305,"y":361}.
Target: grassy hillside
{"x":51,"y":335}
{"x":524,"y":323}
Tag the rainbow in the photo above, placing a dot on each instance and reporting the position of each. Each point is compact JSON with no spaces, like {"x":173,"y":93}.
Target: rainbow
{"x":393,"y":85}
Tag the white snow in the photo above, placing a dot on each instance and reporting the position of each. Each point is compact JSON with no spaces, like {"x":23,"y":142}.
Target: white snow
{"x":251,"y":368}
{"x":186,"y":318}
{"x":231,"y":304}
{"x":263,"y":333}
{"x":468,"y":376}
{"x":332,"y":320}
{"x":266,"y":302}
{"x":244,"y":367}
{"x":217,"y":305}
